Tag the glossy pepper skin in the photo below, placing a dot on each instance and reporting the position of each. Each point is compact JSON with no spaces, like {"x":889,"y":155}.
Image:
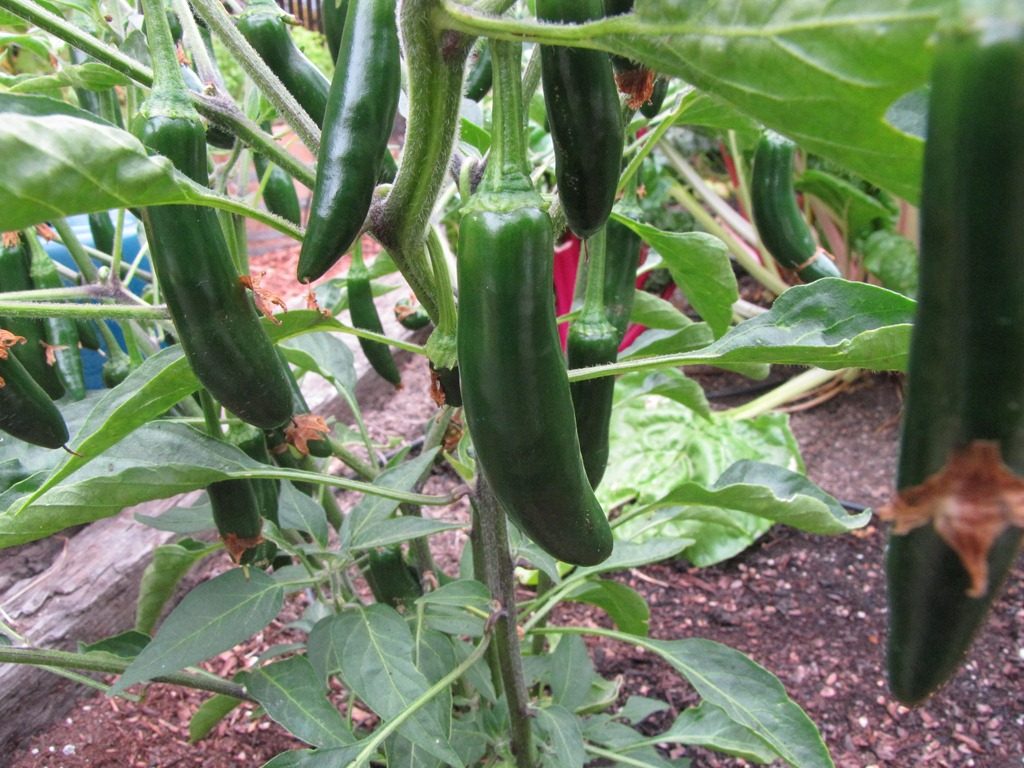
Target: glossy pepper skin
{"x":652,"y":106}
{"x":593,"y":341}
{"x":101,"y":226}
{"x":585,"y":119}
{"x":213,"y":316}
{"x":622,"y":259}
{"x":364,"y":315}
{"x":514,"y":384}
{"x":279,"y":193}
{"x":478,"y":81}
{"x":15,"y":276}
{"x":26,"y":411}
{"x":262,"y":24}
{"x":779,"y":221}
{"x":236,"y":513}
{"x":966,"y":365}
{"x":360,"y":114}
{"x":392,"y":581}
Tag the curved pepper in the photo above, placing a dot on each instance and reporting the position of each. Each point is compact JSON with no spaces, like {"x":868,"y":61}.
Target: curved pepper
{"x":334,"y":13}
{"x":279,"y":193}
{"x":364,"y":315}
{"x":360,"y":115}
{"x":392,"y":581}
{"x":585,"y":120}
{"x":958,"y":514}
{"x":478,"y":81}
{"x":213,"y":316}
{"x":780,"y":223}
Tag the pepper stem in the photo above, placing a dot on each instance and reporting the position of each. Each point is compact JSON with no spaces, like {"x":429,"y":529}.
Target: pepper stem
{"x":593,"y":297}
{"x":507,"y":166}
{"x":168,"y":83}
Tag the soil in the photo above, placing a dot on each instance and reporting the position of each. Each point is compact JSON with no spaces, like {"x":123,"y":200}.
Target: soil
{"x":810,"y":609}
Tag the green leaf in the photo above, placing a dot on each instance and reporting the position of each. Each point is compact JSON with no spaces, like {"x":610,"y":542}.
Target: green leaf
{"x":749,"y":695}
{"x":446,"y":607}
{"x":317,"y":758}
{"x":161,"y":577}
{"x":370,"y":510}
{"x":831,"y":323}
{"x":700,"y":266}
{"x":639,"y":708}
{"x":655,"y":312}
{"x":213,"y":617}
{"x":860,"y":211}
{"x":632,"y":554}
{"x":624,"y":605}
{"x":710,"y":727}
{"x":193,"y":519}
{"x":824,"y":74}
{"x":330,"y":356}
{"x":373,"y":650}
{"x":295,"y":698}
{"x":208,"y":714}
{"x":126,"y":645}
{"x":676,"y":386}
{"x":662,"y":341}
{"x":570,"y":672}
{"x":434,"y":657}
{"x":298,"y":511}
{"x":55,"y":162}
{"x":561,"y":738}
{"x":395,"y":530}
{"x":892,"y":259}
{"x":92,"y":75}
{"x":475,"y":136}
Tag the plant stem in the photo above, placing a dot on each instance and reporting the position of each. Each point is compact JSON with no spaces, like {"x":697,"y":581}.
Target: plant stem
{"x":303,"y":476}
{"x":217,"y":19}
{"x":478,"y":22}
{"x":45,"y":657}
{"x":650,"y":140}
{"x":784,"y":393}
{"x":497,"y":567}
{"x":97,"y":311}
{"x":399,"y":221}
{"x":74,"y":246}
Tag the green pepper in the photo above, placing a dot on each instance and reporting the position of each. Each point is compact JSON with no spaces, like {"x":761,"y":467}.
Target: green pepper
{"x":333,"y":13}
{"x":593,"y":340}
{"x":652,"y":106}
{"x":360,"y":115}
{"x":213,"y":316}
{"x":262,"y":23}
{"x":319,"y":447}
{"x":236,"y":513}
{"x":515,"y":389}
{"x":26,"y":411}
{"x":279,"y":193}
{"x":585,"y":118}
{"x":622,"y":258}
{"x":961,"y":465}
{"x":780,"y":223}
{"x":115,"y":370}
{"x":14,"y":276}
{"x":411,"y":315}
{"x":61,"y":332}
{"x":364,"y":315}
{"x":392,"y":581}
{"x":253,"y":443}
{"x":478,"y":81}
{"x":88,"y":336}
{"x":102,"y":228}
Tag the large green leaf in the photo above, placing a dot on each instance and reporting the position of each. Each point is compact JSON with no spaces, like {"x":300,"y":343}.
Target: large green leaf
{"x":55,"y":162}
{"x":749,"y":695}
{"x":824,"y":74}
{"x":372,"y":650}
{"x":708,"y":726}
{"x":624,"y":606}
{"x":169,"y":564}
{"x":295,"y":697}
{"x":213,"y":617}
{"x":561,"y":738}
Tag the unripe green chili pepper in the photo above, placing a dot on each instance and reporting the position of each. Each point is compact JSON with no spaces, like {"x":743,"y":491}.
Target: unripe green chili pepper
{"x":622,"y":258}
{"x":585,"y":118}
{"x":253,"y":443}
{"x":360,"y":114}
{"x":411,"y":315}
{"x":116,"y":370}
{"x":262,"y":23}
{"x":14,"y":276}
{"x":61,"y":332}
{"x":593,"y":340}
{"x":214,"y":318}
{"x":392,"y":581}
{"x":364,"y":315}
{"x":514,"y":385}
{"x":88,"y":336}
{"x":279,"y":193}
{"x":961,"y":468}
{"x":478,"y":81}
{"x":333,"y":13}
{"x":780,"y":223}
{"x":306,"y":443}
{"x":236,"y":513}
{"x":101,"y":226}
{"x":26,"y":411}
{"x":652,"y":106}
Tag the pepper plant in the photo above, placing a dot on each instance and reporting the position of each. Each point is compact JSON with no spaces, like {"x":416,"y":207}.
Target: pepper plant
{"x":469,"y":667}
